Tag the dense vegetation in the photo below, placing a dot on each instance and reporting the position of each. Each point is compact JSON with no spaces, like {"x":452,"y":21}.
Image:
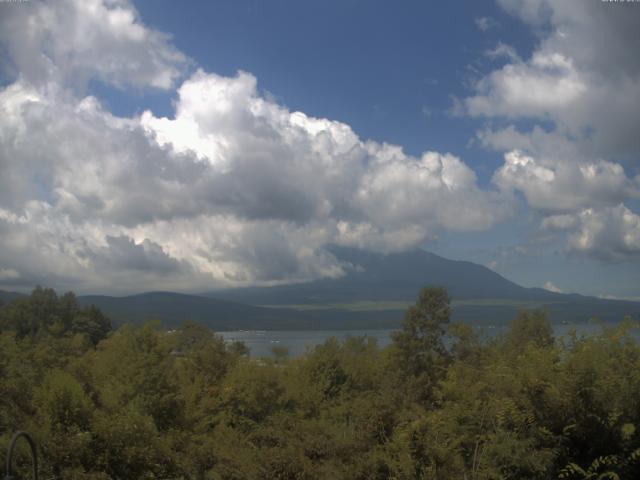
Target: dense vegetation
{"x":141,"y":402}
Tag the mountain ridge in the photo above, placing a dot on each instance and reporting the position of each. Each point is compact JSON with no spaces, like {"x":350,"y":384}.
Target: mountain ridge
{"x":396,"y":276}
{"x":374,"y":293}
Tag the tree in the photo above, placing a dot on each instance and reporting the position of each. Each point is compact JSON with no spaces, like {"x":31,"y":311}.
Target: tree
{"x":44,"y":314}
{"x":530,"y":327}
{"x":280,"y":353}
{"x":421,"y":354}
{"x":92,"y":322}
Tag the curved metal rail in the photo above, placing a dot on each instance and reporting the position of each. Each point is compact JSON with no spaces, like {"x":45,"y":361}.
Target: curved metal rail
{"x":34,"y":455}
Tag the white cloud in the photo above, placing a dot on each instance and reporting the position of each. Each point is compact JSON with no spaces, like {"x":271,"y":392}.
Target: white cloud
{"x":71,"y":41}
{"x":8,"y":274}
{"x":534,"y":12}
{"x":548,"y":285}
{"x":559,"y":222}
{"x":554,"y":185}
{"x":493,"y":265}
{"x":485,"y":23}
{"x":502,"y":50}
{"x":583,"y":81}
{"x":611,"y":234}
{"x":583,"y":76}
{"x":437,"y":189}
{"x":574,"y":195}
{"x":233,"y":189}
{"x":543,"y":87}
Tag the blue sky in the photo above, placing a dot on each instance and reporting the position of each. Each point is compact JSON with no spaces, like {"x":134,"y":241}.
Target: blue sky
{"x":389,"y":71}
{"x":535,"y":171}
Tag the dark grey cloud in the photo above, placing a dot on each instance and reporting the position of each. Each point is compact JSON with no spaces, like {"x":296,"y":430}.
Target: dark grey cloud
{"x":124,"y":253}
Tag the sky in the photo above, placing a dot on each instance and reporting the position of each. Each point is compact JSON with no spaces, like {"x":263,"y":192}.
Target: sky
{"x":192,"y":146}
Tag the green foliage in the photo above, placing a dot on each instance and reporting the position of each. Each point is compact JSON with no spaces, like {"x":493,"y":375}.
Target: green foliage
{"x":44,"y":314}
{"x":421,"y":354}
{"x":530,"y":327}
{"x":280,"y":353}
{"x":142,"y":402}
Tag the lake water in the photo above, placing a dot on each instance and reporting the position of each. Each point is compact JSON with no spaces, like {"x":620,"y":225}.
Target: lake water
{"x":299,"y":341}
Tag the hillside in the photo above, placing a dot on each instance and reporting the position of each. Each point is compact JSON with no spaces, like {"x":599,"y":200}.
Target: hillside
{"x":373,"y":294}
{"x":6,"y":297}
{"x":392,"y":277}
{"x":172,"y":309}
{"x":382,"y":285}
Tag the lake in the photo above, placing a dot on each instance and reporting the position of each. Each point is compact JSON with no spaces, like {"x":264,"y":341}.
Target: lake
{"x":261,"y":342}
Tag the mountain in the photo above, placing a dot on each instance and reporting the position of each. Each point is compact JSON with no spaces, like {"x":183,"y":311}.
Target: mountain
{"x":374,"y":293}
{"x":172,"y":309}
{"x":384,"y":284}
{"x":6,"y":297}
{"x":392,"y":277}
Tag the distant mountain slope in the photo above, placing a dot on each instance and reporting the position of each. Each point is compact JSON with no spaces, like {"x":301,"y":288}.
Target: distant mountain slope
{"x":398,"y":276}
{"x":172,"y":309}
{"x":480,"y":295}
{"x":6,"y":297}
{"x":374,"y":294}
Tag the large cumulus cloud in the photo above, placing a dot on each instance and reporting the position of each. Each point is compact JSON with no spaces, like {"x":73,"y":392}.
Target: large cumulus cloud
{"x":232,"y":189}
